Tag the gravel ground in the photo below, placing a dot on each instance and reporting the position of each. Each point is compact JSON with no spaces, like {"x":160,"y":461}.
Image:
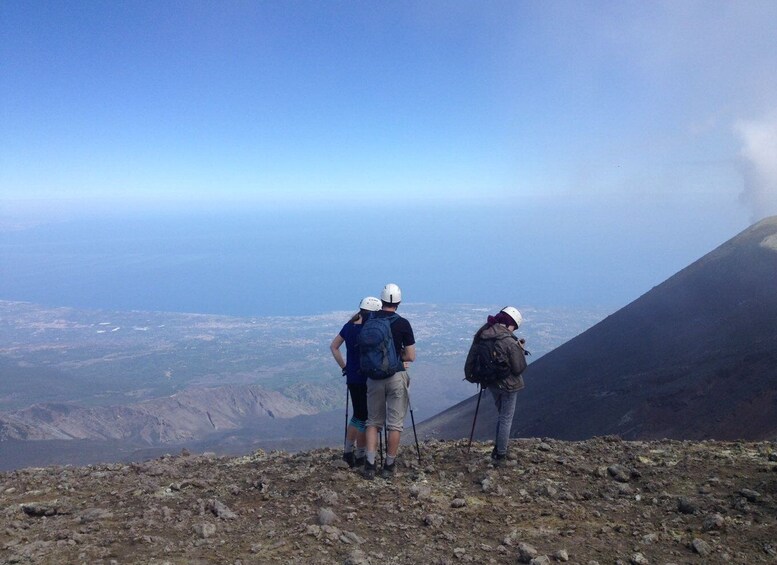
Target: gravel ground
{"x":602,"y":501}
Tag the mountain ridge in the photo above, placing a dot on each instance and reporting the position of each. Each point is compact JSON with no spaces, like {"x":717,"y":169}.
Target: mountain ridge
{"x":195,"y":412}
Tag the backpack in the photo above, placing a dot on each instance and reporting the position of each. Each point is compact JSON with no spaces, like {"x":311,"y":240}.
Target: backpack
{"x":490,"y":363}
{"x":378,"y":357}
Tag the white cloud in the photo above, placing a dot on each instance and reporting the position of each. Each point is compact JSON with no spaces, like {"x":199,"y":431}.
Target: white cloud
{"x":758,"y":161}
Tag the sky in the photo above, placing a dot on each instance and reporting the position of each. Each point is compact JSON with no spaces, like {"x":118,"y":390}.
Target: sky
{"x":612,"y":126}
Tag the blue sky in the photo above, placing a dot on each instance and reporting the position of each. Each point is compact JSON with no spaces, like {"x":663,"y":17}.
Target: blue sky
{"x":654,"y":118}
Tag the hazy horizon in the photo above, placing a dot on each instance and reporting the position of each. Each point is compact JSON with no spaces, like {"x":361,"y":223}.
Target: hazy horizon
{"x":254,"y":263}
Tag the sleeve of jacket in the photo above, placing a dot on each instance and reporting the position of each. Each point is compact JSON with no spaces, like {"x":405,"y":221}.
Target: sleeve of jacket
{"x":517,"y":359}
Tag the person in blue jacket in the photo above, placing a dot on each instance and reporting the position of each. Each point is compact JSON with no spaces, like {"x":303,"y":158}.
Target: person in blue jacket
{"x":355,"y":440}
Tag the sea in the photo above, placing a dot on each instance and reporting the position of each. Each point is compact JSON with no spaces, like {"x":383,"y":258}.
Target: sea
{"x":269,"y":262}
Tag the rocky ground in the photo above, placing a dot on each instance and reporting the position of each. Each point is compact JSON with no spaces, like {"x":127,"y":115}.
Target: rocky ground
{"x":598,"y":501}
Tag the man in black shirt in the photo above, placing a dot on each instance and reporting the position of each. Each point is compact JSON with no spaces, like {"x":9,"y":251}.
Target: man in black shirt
{"x":387,"y":399}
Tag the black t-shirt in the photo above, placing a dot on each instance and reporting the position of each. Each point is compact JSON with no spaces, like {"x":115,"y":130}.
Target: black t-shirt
{"x":400,"y":331}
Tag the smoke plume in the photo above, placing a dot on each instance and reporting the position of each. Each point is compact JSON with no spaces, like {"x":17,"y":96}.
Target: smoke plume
{"x":758,"y":162}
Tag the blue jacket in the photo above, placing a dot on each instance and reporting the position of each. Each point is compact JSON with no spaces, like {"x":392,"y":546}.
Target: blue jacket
{"x":350,"y":334}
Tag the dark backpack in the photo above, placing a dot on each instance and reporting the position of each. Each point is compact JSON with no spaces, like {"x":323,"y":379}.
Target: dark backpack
{"x":378,"y":357}
{"x":490,"y":363}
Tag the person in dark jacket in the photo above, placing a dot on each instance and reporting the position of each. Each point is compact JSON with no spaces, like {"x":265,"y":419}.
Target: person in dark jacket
{"x":355,"y":440}
{"x":504,"y":391}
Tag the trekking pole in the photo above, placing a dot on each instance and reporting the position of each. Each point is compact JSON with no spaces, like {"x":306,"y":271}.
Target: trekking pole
{"x":345,"y":435}
{"x":385,"y":439}
{"x":383,"y":435}
{"x":415,"y":435}
{"x":380,"y":438}
{"x":472,"y":433}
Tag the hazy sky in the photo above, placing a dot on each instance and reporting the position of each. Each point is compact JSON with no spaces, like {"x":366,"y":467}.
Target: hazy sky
{"x":647,"y":117}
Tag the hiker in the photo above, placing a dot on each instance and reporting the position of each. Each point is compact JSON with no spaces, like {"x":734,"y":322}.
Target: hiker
{"x":504,"y":387}
{"x":355,"y":442}
{"x":387,"y":378}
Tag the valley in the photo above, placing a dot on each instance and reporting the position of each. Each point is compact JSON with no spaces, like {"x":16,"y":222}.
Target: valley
{"x":155,"y":379}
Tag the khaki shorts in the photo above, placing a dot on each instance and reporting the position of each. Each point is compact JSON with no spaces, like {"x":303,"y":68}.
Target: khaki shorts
{"x":387,"y":401}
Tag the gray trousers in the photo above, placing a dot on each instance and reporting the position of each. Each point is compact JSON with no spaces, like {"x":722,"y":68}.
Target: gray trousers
{"x":387,"y":401}
{"x":505,"y":405}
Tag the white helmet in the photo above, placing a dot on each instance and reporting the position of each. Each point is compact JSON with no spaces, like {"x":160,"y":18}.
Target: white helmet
{"x":370,"y":303}
{"x":514,"y":314}
{"x":391,"y":294}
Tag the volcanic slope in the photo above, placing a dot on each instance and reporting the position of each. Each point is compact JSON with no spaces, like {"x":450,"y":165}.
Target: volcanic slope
{"x":693,"y":358}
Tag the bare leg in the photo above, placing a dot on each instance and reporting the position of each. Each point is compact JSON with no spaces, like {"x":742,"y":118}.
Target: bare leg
{"x":372,"y":438}
{"x":353,"y":434}
{"x":393,"y":443}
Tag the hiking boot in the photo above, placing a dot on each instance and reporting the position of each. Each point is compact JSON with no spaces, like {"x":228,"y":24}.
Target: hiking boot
{"x":348,"y":458}
{"x":359,"y":461}
{"x":388,"y":471}
{"x":493,"y":453}
{"x":369,"y":470}
{"x":499,"y":459}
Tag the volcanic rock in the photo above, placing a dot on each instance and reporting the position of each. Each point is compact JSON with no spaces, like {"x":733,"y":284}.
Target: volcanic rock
{"x":275,"y":507}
